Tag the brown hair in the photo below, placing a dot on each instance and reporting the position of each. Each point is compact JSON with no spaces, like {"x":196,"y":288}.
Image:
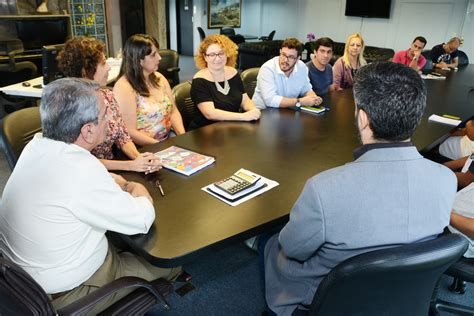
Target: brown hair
{"x":229,"y":47}
{"x":293,"y":43}
{"x":80,"y":56}
{"x":136,"y":48}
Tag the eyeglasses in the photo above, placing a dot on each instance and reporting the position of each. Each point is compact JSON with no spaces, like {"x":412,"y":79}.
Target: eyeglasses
{"x":214,"y":55}
{"x":290,"y":58}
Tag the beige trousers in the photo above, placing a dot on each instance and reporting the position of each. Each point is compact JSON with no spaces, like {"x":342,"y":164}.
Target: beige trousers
{"x":116,"y":265}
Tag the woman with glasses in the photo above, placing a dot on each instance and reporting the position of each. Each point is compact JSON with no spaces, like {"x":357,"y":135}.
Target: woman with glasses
{"x":346,"y":66}
{"x":84,"y":57}
{"x":144,"y":95}
{"x":217,"y":89}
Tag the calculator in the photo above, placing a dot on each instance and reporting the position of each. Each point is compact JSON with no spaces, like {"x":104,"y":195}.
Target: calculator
{"x":236,"y":182}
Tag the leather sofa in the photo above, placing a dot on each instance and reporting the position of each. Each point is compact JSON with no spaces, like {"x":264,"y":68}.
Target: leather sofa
{"x":255,"y":54}
{"x":371,"y":53}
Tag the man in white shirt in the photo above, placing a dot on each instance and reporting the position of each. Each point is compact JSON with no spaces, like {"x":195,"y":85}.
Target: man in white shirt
{"x":60,"y":200}
{"x":283,"y":80}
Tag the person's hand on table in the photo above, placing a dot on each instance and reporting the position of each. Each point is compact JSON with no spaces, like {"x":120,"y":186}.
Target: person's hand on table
{"x":146,"y":162}
{"x":310,"y":100}
{"x":252,"y":115}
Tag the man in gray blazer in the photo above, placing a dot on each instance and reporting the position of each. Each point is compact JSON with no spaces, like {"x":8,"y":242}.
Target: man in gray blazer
{"x":388,"y":196}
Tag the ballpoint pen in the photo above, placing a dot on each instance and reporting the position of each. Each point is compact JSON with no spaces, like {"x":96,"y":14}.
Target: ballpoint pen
{"x":158,"y":184}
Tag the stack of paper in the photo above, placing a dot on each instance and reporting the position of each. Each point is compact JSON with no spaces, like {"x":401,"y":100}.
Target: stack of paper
{"x":260,"y":187}
{"x":444,"y":120}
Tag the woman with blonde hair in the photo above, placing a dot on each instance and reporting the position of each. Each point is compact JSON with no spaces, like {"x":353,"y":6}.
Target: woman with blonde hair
{"x":346,"y":66}
{"x":217,"y":89}
{"x":144,"y":95}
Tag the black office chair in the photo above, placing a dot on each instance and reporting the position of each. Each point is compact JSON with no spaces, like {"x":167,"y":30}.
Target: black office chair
{"x":429,"y":64}
{"x":227,"y":30}
{"x":461,"y":271}
{"x":249,"y":79}
{"x":13,"y":72}
{"x":182,"y":97}
{"x":394,"y":281}
{"x":169,"y":66}
{"x":21,"y":295}
{"x":17,"y":129}
{"x":269,"y":37}
{"x":237,"y":38}
{"x":202,"y":35}
{"x":463,"y":60}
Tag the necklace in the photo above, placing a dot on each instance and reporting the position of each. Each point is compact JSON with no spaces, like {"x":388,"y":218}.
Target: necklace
{"x":224,"y":90}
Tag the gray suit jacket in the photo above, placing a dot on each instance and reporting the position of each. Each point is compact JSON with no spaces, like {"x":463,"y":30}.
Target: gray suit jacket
{"x":387,"y":197}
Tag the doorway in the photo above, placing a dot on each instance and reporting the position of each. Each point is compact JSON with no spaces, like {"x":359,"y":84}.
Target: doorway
{"x":184,"y":22}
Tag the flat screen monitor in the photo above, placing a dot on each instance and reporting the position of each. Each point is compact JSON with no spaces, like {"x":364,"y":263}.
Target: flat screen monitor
{"x":36,"y":33}
{"x":51,"y":70}
{"x":368,"y":8}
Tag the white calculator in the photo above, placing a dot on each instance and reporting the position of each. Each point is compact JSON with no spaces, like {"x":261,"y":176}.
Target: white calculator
{"x":237,"y":182}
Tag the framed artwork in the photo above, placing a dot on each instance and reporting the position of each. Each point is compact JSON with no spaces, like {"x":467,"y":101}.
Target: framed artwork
{"x":223,"y":13}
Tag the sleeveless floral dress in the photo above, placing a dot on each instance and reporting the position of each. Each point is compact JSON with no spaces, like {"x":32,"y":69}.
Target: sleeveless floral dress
{"x":154,"y":117}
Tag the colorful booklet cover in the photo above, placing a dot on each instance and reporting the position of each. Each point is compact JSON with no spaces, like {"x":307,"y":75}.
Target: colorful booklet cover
{"x":313,"y":109}
{"x":183,"y":160}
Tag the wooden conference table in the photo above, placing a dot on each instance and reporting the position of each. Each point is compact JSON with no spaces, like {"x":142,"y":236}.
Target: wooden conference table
{"x":287,"y":146}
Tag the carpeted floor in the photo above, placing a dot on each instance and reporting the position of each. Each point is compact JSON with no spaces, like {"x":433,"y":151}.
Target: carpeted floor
{"x":228,"y":283}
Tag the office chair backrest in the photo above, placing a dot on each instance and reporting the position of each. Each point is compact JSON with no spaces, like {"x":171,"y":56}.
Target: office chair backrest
{"x":20,"y":294}
{"x":393,"y":281}
{"x":169,"y":65}
{"x":227,"y":30}
{"x":18,"y":128}
{"x":182,"y":97}
{"x":202,"y":35}
{"x":429,"y":64}
{"x":249,"y":79}
{"x":237,"y":39}
{"x":463,"y":60}
{"x":271,"y":35}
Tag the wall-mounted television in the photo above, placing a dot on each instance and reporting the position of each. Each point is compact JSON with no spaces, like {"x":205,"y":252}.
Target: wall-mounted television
{"x":51,"y":70}
{"x":368,"y":8}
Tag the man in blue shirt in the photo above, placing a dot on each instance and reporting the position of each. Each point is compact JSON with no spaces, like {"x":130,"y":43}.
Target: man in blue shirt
{"x":320,"y":72}
{"x":446,"y":55}
{"x":283,"y":80}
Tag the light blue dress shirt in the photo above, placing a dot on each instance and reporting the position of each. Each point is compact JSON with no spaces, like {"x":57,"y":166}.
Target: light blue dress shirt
{"x":273,"y":84}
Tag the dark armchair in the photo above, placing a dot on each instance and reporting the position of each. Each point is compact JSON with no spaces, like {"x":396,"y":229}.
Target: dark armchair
{"x":21,"y":295}
{"x":394,"y":281}
{"x":169,"y":66}
{"x":184,"y":103}
{"x":17,"y":129}
{"x":269,"y":37}
{"x":12,"y":72}
{"x":255,"y":54}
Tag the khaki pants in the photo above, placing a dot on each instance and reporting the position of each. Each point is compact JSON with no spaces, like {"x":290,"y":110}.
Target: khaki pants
{"x":116,"y":265}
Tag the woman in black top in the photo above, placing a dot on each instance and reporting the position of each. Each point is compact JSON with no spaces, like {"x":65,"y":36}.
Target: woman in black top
{"x":217,"y":89}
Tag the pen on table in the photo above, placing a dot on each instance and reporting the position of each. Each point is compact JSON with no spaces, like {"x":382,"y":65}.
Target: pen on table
{"x":451,"y":117}
{"x":158,"y":184}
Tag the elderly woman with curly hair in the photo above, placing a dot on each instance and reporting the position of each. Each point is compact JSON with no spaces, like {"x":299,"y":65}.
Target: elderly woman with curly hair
{"x":217,"y":89}
{"x":84,"y":57}
{"x":144,"y":95}
{"x":346,"y":66}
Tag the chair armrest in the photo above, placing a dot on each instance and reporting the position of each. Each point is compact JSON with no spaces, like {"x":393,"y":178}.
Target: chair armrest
{"x":80,"y":306}
{"x":172,"y":69}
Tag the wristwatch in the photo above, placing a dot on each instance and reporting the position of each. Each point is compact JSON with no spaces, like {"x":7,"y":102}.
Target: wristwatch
{"x":298,"y":103}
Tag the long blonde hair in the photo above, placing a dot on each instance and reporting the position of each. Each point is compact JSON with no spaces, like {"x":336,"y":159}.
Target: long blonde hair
{"x":345,"y":57}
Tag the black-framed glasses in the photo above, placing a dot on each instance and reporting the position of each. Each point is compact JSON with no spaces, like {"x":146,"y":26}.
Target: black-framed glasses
{"x":290,"y":58}
{"x":214,"y":55}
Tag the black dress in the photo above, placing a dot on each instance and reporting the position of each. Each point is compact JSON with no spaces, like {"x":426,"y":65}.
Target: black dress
{"x":203,"y":90}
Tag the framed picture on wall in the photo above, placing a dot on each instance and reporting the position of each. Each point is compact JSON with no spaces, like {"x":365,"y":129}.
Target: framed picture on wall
{"x":223,"y":13}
